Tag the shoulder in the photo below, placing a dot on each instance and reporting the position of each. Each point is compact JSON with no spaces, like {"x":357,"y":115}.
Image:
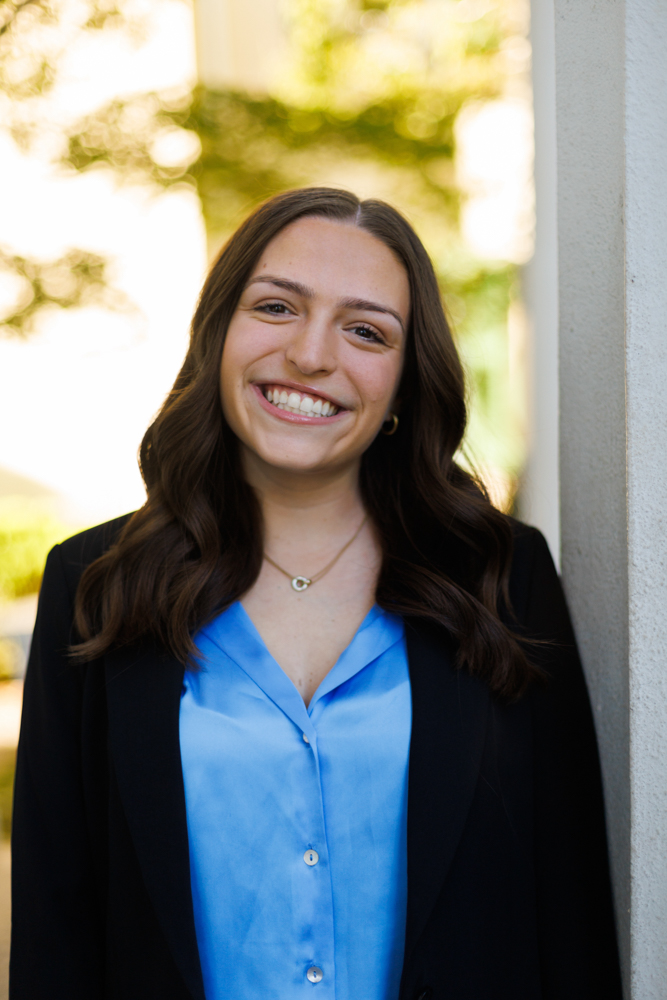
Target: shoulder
{"x":528,"y":542}
{"x":533,"y":575}
{"x":538,"y":604}
{"x":64,"y":565}
{"x":77,"y":552}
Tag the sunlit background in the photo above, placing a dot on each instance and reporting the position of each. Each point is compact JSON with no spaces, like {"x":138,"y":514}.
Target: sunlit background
{"x":135,"y":136}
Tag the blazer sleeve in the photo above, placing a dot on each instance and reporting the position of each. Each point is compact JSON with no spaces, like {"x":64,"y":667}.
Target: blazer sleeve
{"x":56,"y":933}
{"x":577,"y":938}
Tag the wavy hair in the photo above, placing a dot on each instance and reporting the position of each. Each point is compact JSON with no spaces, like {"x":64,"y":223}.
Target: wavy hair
{"x":197,"y":543}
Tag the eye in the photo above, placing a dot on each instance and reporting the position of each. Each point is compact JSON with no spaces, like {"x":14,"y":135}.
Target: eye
{"x":367,"y":333}
{"x":274,"y":309}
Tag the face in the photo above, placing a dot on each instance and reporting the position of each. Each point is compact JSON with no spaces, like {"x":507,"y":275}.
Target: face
{"x":314,"y":352}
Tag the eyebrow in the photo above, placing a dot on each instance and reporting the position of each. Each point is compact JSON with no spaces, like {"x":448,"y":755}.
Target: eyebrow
{"x":372,"y":307}
{"x":308,"y":293}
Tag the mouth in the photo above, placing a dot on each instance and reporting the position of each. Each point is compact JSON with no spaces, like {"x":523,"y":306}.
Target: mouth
{"x":298,"y":402}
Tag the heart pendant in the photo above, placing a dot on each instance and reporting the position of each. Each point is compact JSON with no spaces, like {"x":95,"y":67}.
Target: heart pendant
{"x":300,"y":583}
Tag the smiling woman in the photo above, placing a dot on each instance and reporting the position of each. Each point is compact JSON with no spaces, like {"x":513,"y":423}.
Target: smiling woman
{"x":320,"y":327}
{"x":313,"y":717}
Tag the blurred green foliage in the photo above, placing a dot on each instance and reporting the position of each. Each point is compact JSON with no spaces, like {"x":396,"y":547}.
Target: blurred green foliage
{"x":7,"y":768}
{"x":34,"y":37}
{"x":28,"y":530}
{"x":10,"y":659}
{"x":372,"y":90}
{"x":369,"y":100}
{"x":77,"y":278}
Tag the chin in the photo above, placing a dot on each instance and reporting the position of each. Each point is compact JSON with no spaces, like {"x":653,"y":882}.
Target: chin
{"x":304,"y":463}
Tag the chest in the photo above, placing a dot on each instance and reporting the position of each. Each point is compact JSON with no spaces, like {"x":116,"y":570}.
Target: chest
{"x":297,"y":819}
{"x":256,"y":759}
{"x":307,"y":632}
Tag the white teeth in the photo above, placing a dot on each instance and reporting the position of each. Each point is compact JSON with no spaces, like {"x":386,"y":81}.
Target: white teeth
{"x":293,"y":402}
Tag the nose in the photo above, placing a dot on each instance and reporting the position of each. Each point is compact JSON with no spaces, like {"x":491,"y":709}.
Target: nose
{"x":311,"y":349}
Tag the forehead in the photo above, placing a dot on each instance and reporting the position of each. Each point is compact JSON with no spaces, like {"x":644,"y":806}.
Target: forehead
{"x":337,"y":259}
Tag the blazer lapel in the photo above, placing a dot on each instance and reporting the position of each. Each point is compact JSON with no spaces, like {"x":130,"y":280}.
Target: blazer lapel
{"x":144,"y":694}
{"x":449,"y":713}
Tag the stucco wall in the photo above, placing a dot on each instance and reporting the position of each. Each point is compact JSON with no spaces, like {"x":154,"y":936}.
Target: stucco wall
{"x":611,"y":85}
{"x":589,"y":97}
{"x":646,"y":382}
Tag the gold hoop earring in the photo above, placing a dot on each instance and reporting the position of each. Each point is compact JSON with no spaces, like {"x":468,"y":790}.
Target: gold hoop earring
{"x":393,"y":420}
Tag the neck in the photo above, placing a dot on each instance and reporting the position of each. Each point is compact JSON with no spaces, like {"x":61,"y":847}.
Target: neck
{"x":305,"y":513}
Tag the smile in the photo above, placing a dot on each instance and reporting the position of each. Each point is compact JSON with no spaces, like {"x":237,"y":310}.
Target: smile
{"x":305,"y":404}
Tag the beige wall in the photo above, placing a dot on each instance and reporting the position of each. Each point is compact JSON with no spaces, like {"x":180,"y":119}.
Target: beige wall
{"x":240,"y":43}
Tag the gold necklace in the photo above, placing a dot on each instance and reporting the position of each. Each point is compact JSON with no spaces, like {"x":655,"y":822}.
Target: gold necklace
{"x":300,"y":583}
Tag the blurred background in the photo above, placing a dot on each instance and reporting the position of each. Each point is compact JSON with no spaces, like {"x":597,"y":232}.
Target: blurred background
{"x":136,"y":135}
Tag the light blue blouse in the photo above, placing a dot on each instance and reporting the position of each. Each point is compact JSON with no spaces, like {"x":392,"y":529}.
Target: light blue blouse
{"x":297,"y":818}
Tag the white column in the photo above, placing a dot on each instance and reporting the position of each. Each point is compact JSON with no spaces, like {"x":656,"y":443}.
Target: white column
{"x":539,"y":500}
{"x":590,"y":89}
{"x":646,"y":390}
{"x":611,"y":83}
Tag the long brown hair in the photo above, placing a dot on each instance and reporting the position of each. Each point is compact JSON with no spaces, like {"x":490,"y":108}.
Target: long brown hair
{"x":196,"y":545}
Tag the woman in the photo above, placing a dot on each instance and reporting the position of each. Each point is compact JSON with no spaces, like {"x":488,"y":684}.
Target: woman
{"x":313,"y":718}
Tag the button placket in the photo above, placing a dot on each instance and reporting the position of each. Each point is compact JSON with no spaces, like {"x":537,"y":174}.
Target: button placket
{"x":314,"y":883}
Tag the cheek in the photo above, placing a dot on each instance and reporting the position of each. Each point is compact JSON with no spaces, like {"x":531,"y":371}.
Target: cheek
{"x":233,"y":354}
{"x":232,"y":366}
{"x":244,"y":344}
{"x":378,"y":379}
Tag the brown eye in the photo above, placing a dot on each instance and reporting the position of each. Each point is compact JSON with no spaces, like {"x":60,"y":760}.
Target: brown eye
{"x":274,"y":308}
{"x":367,"y":333}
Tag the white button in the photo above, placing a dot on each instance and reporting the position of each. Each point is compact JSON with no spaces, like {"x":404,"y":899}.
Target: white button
{"x":314,"y":974}
{"x":311,"y":858}
{"x":305,"y":738}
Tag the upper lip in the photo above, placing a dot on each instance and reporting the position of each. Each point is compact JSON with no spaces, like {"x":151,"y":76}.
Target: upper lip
{"x":299,"y":387}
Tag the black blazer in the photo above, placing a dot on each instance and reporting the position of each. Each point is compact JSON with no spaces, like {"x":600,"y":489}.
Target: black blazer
{"x":508,"y":885}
